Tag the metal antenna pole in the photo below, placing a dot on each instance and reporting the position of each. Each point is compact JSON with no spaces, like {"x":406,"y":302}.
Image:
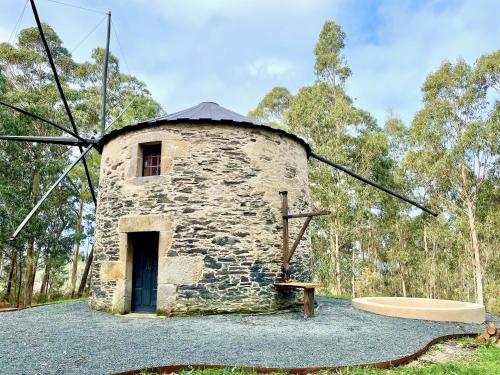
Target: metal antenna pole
{"x":105,"y":78}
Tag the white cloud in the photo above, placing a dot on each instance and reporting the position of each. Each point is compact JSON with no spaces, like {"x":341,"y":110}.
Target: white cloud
{"x":269,"y":67}
{"x":199,"y":13}
{"x":234,"y":52}
{"x":411,"y":42}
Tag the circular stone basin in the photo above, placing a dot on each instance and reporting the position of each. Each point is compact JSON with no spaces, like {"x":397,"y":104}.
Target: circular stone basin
{"x":423,"y":308}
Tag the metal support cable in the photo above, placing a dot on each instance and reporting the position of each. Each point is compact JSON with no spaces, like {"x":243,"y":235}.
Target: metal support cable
{"x":18,"y":22}
{"x":88,"y":35}
{"x":77,"y":6}
{"x":120,"y":114}
{"x":121,"y":49}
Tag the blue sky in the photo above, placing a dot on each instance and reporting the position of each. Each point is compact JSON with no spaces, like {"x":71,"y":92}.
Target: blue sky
{"x":233,"y":52}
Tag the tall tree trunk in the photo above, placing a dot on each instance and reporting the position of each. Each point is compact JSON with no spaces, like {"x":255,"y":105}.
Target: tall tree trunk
{"x":44,"y":289}
{"x":428,"y":263}
{"x":33,"y":274}
{"x":433,"y":270}
{"x":337,"y":264}
{"x":471,"y":258}
{"x":19,"y":280}
{"x":12,"y":270}
{"x":475,"y":248}
{"x":1,"y":264}
{"x":372,"y":250}
{"x":471,"y":216}
{"x":30,"y":261}
{"x":403,"y":283}
{"x":353,"y":278}
{"x":88,"y":263}
{"x":28,"y":272}
{"x":76,"y":247}
{"x":45,"y":280}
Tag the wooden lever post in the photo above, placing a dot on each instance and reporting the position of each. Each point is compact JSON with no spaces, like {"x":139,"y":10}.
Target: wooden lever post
{"x":288,"y":253}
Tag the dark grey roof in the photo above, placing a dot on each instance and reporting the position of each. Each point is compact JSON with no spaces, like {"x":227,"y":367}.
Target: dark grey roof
{"x":206,"y":112}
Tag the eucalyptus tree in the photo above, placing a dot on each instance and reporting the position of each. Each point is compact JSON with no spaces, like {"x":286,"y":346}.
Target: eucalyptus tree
{"x":29,"y":86}
{"x":325,"y":115}
{"x":27,"y":169}
{"x":273,"y":107}
{"x":318,"y":116}
{"x":454,"y":141}
{"x":330,"y":65}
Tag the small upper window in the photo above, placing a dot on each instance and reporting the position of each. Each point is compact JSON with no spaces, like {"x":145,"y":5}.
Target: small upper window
{"x":151,"y":159}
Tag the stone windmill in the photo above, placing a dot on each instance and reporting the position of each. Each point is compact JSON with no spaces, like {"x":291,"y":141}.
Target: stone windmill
{"x":196,"y":211}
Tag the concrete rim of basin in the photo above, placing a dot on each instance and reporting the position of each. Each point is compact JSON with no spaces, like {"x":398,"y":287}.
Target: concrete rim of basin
{"x":423,"y":308}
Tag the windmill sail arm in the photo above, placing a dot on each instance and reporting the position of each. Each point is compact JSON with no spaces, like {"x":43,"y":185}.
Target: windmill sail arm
{"x":366,"y":181}
{"x":53,"y":66}
{"x":61,"y":93}
{"x":54,"y":185}
{"x":70,"y":141}
{"x":89,"y":181}
{"x":20,"y":110}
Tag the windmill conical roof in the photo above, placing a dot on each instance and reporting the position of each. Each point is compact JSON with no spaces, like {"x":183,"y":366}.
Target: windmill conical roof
{"x":208,"y":111}
{"x":205,"y":112}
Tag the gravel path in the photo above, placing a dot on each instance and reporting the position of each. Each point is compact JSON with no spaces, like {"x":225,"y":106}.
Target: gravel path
{"x":71,"y":338}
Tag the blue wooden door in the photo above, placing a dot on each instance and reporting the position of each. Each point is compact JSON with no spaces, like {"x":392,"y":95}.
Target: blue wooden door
{"x":145,"y":271}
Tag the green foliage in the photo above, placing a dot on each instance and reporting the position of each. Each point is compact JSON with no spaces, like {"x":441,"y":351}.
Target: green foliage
{"x":374,"y":244}
{"x":27,"y":170}
{"x":330,"y":64}
{"x":273,"y":107}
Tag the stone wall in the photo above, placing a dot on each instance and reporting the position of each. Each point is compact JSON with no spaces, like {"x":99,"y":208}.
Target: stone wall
{"x":217,"y":208}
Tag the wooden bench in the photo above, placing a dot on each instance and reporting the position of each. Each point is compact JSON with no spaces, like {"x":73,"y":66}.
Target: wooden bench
{"x":308,"y":294}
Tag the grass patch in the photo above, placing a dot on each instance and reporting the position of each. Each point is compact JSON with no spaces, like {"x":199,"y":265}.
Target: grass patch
{"x":485,"y":360}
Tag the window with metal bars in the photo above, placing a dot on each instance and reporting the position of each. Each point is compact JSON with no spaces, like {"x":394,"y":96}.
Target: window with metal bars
{"x":151,"y":159}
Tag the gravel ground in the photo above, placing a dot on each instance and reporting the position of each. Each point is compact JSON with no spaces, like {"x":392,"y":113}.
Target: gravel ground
{"x":71,"y":338}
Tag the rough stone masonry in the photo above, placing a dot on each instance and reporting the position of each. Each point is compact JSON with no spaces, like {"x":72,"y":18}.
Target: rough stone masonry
{"x":217,"y":208}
